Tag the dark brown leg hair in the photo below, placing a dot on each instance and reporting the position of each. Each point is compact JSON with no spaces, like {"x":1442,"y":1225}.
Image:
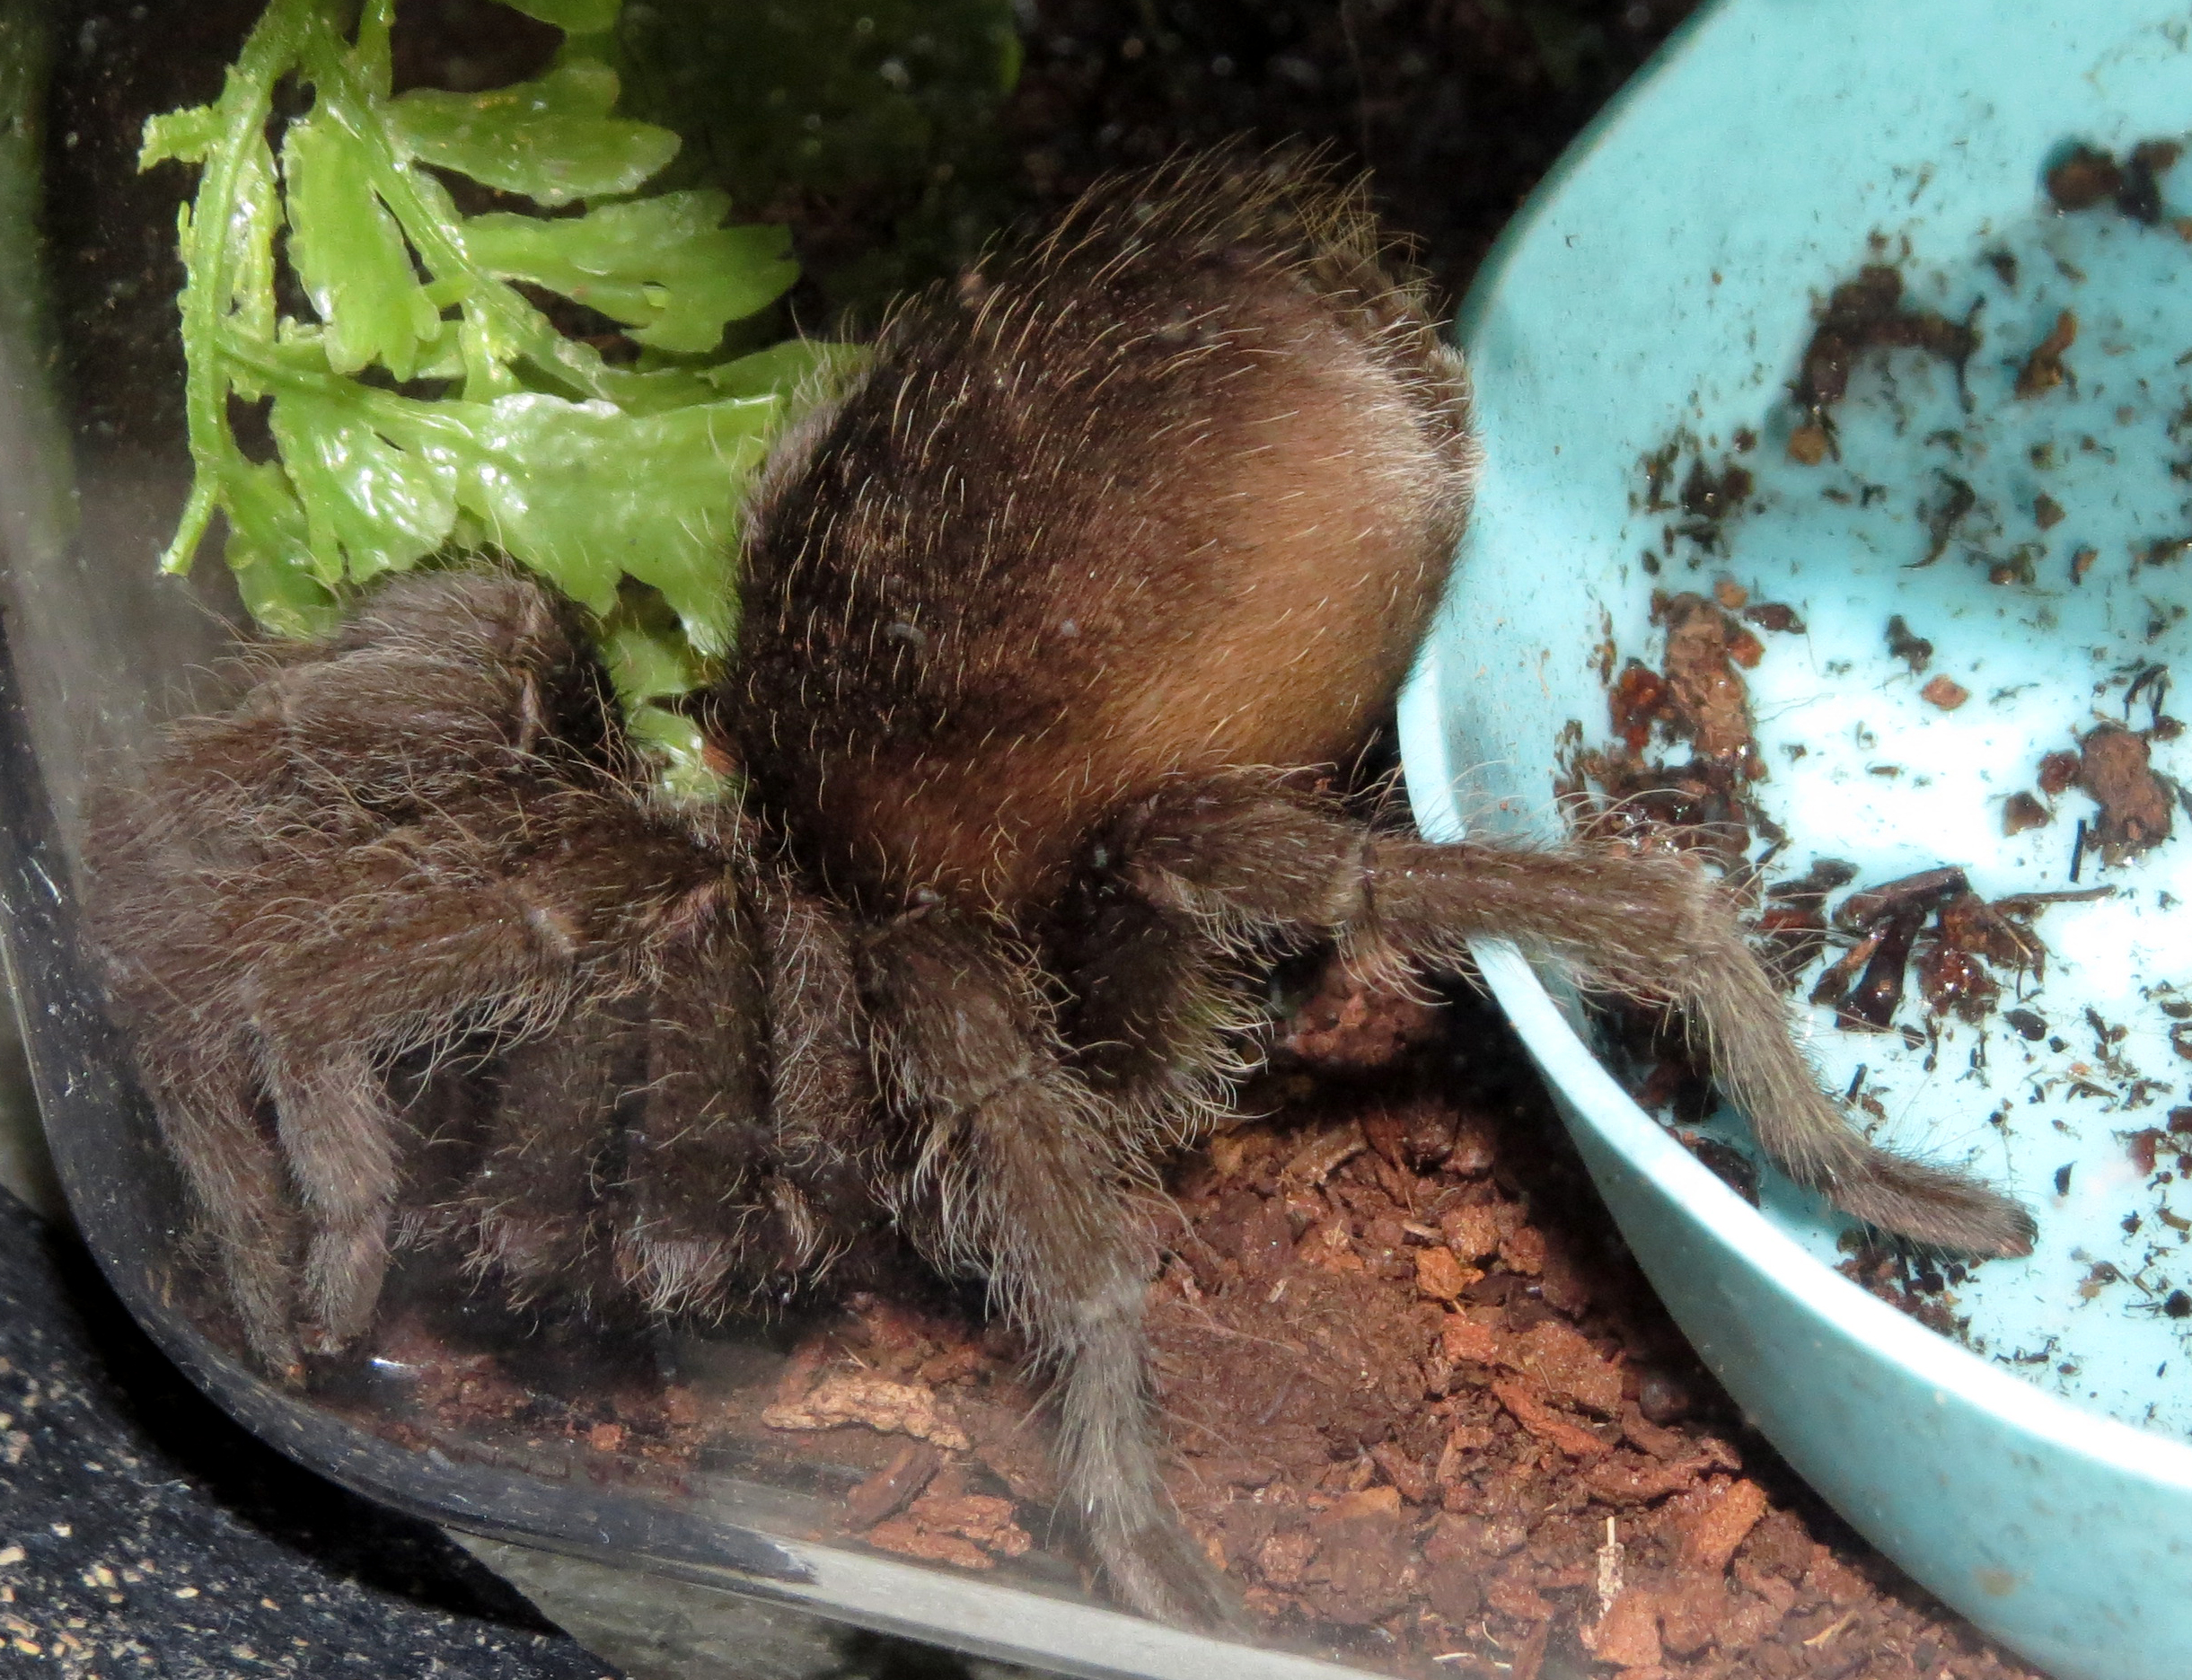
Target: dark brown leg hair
{"x":697,"y":1143}
{"x":235,"y":1173}
{"x":1649,"y":926}
{"x":1156,"y":1013}
{"x":1017,"y":1172}
{"x":306,"y":893}
{"x":342,"y":1140}
{"x":419,"y":846}
{"x":823,"y":1102}
{"x":481,"y":672}
{"x":703,"y":1146}
{"x":297,"y":980}
{"x":533,"y":1202}
{"x":390,"y":960}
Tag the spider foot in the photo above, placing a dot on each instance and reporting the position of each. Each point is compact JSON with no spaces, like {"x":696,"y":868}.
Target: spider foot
{"x":1936,"y":1207}
{"x":1159,"y":1572}
{"x":674,"y":1274}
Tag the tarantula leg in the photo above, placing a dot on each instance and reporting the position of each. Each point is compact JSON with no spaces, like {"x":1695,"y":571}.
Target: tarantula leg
{"x":532,"y":1201}
{"x":820,"y":1091}
{"x":483,"y":669}
{"x":1018,"y":1172}
{"x":701,"y":1136}
{"x":1157,"y":1017}
{"x":344,"y":1014}
{"x":1651,"y":926}
{"x":1659,"y":927}
{"x":421,"y":943}
{"x":235,"y":1173}
{"x":695,"y":1203}
{"x":822,"y":1100}
{"x":340,"y":1136}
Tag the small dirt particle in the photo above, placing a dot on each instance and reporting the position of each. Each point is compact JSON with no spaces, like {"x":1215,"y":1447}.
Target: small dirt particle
{"x":1944,"y":693}
{"x":2084,"y":179}
{"x":858,"y":1397}
{"x":1628,"y":1634}
{"x":1563,"y":1362}
{"x":1861,"y":314}
{"x":889,"y":1489}
{"x":2023,"y":811}
{"x":2114,"y":766}
{"x":2057,"y":771}
{"x":1439,"y":1275}
{"x":1941,"y":518}
{"x":1720,"y":1527}
{"x":970,"y":1530}
{"x":1714,"y":495}
{"x":1873,"y":1003}
{"x":1771,"y":615}
{"x":1914,"y":651}
{"x":1954,"y":979}
{"x":1344,"y":1026}
{"x":2140,"y":195}
{"x":1917,"y":894}
{"x":1465,"y":1341}
{"x":1472,"y":1232}
{"x":1546,"y":1424}
{"x":1711,"y":704}
{"x":1523,"y":1250}
{"x":1283,"y":1556}
{"x":2044,"y":369}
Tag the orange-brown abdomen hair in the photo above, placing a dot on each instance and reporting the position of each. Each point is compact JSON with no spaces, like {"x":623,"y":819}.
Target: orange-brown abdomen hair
{"x":1174,"y":494}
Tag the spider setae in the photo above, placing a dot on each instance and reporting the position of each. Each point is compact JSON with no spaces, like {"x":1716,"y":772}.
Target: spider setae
{"x":1048,"y":612}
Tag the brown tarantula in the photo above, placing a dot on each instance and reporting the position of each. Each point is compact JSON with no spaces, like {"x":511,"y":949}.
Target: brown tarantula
{"x":1050,"y":614}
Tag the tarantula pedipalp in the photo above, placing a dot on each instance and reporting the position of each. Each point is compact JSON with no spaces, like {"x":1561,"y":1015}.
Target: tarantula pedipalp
{"x":1047,"y":612}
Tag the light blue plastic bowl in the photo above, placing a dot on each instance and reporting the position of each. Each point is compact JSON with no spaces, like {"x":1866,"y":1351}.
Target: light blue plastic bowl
{"x":1661,"y":288}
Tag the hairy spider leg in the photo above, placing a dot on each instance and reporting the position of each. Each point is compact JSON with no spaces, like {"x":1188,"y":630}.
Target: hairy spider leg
{"x":438,"y":936}
{"x":698,"y":1145}
{"x":826,"y":1145}
{"x":1648,"y":926}
{"x":533,"y":1203}
{"x":1020,"y":1173}
{"x":204,"y":1103}
{"x":697,"y":1140}
{"x":1156,"y":1013}
{"x":392,"y":843}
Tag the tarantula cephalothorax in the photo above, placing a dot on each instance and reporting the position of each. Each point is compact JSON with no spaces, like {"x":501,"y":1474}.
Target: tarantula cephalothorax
{"x":1046,"y":613}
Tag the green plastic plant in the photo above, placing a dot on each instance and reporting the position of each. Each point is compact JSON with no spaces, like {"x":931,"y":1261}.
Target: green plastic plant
{"x":431,"y":408}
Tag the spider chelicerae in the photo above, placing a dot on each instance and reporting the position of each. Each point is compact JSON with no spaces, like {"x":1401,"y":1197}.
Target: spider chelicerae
{"x":1053,"y":613}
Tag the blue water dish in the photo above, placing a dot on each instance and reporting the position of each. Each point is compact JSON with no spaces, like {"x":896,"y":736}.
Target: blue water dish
{"x":1969,"y":561}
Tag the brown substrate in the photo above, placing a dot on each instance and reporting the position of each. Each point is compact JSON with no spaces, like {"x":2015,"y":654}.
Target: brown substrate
{"x":1427,"y":1413}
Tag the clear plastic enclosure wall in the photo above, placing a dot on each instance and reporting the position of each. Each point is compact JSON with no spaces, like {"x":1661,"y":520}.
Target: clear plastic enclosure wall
{"x":644,"y":1447}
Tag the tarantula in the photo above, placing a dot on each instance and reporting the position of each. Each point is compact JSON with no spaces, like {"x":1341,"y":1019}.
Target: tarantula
{"x":1052,"y":614}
